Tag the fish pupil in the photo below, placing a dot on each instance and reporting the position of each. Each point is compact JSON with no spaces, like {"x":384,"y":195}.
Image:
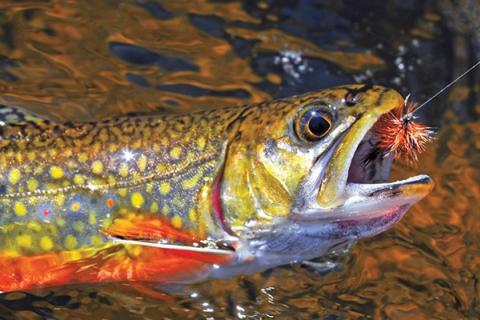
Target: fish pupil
{"x":317,"y":125}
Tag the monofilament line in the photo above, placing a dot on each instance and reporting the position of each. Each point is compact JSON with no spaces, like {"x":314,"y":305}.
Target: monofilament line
{"x":447,"y":86}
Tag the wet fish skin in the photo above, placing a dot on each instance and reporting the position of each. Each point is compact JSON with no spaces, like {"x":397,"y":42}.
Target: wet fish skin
{"x":71,"y":192}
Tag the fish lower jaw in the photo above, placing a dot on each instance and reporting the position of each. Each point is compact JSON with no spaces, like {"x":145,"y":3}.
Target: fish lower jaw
{"x":371,"y":200}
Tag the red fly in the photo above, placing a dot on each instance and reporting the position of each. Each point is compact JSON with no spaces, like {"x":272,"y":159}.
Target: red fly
{"x":400,"y":135}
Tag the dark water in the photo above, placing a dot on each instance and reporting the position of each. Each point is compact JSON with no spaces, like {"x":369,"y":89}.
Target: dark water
{"x":82,"y":60}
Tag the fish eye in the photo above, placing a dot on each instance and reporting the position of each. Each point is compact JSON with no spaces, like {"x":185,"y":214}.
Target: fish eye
{"x":313,"y":124}
{"x":350,"y":99}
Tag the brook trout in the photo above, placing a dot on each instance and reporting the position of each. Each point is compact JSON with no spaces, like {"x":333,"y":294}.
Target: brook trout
{"x":184,"y":197}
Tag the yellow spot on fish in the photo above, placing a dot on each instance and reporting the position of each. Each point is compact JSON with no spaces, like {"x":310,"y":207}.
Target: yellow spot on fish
{"x":192,"y":215}
{"x":79,"y":179}
{"x":38,"y":170}
{"x":61,"y":222}
{"x":122,"y":192}
{"x":32,"y":184}
{"x":164,"y":188}
{"x":24,"y":240}
{"x":137,"y":200}
{"x":177,"y":221}
{"x":97,"y":167}
{"x":75,"y":206}
{"x":56,"y":172}
{"x":78,"y":226}
{"x":193,"y":181}
{"x":178,"y":202}
{"x":71,"y":164}
{"x":19,"y":209}
{"x":60,"y":199}
{"x":165,"y":210}
{"x":46,"y":243}
{"x":14,"y":176}
{"x":96,"y":240}
{"x":154,"y":207}
{"x":92,"y":218}
{"x":201,"y":143}
{"x":70,"y":242}
{"x":123,"y":170}
{"x":111,"y":180}
{"x":82,"y":157}
{"x":191,"y":156}
{"x":176,"y":152}
{"x":161,"y":168}
{"x":149,"y":187}
{"x":142,"y":162}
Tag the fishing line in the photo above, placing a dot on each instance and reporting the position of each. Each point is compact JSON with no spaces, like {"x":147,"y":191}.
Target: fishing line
{"x":444,"y":88}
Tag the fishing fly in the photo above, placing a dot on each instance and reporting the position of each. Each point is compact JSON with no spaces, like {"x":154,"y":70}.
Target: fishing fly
{"x":400,"y":134}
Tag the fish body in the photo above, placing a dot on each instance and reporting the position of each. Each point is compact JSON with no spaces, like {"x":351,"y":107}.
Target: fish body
{"x":177,"y":197}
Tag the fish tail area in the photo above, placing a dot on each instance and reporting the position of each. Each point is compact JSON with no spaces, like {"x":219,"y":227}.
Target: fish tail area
{"x":113,"y":263}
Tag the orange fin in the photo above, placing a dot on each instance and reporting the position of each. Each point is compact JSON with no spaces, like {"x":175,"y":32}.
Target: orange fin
{"x":143,"y":248}
{"x":112,"y":263}
{"x":149,"y":228}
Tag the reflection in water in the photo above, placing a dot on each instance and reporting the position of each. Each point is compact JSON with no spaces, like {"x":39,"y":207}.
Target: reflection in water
{"x":82,"y":60}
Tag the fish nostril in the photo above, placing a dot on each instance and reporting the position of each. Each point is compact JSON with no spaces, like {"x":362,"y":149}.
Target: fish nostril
{"x":350,"y":99}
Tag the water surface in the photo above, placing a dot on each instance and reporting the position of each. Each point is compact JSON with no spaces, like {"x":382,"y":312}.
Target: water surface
{"x":79,"y":60}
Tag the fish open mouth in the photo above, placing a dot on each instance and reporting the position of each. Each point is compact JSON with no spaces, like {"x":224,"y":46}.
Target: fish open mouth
{"x":350,"y":182}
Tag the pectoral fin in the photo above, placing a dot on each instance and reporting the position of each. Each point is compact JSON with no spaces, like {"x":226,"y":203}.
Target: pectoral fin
{"x":148,"y":228}
{"x":155,"y":232}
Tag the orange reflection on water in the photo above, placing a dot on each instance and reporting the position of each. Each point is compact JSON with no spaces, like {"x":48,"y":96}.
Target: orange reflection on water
{"x":426,"y":266}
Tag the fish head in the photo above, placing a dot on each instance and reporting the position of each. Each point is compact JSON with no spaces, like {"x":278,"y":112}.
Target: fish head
{"x":299,"y":176}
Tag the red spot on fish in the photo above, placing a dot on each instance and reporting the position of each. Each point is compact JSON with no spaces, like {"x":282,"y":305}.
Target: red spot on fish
{"x":109,"y":202}
{"x":46,"y":213}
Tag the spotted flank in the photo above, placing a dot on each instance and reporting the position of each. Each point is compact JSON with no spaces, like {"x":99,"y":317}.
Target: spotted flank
{"x":67,"y":182}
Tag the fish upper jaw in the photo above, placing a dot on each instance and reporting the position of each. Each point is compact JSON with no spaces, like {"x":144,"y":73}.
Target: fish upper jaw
{"x":339,"y":187}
